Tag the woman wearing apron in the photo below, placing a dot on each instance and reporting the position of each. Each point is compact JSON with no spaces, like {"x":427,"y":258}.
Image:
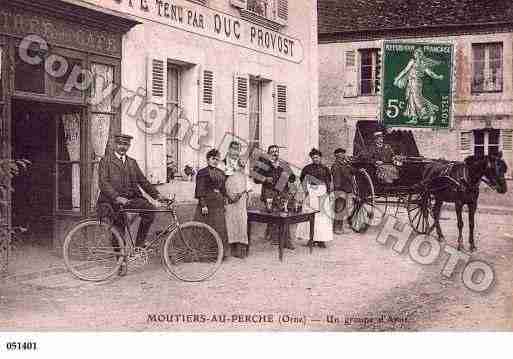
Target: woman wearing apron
{"x":236,"y":208}
{"x":316,"y":181}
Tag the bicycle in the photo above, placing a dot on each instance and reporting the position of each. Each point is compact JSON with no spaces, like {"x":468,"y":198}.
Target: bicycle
{"x":95,"y":250}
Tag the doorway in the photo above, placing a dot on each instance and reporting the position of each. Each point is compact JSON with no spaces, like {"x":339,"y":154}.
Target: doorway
{"x":38,"y":135}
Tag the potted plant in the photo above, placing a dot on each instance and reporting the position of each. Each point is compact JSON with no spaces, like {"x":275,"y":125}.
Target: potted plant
{"x":8,"y":169}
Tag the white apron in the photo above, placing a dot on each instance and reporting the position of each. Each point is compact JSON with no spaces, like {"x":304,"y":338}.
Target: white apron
{"x":323,"y":221}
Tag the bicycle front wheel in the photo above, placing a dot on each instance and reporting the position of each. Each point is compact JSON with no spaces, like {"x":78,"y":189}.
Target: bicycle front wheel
{"x":193,"y":252}
{"x":93,"y":250}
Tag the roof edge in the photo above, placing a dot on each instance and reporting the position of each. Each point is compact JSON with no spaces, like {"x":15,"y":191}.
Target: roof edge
{"x":78,"y":11}
{"x":431,"y":30}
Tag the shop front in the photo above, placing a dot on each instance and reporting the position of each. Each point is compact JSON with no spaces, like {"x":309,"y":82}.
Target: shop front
{"x":51,"y":54}
{"x":213,"y":71}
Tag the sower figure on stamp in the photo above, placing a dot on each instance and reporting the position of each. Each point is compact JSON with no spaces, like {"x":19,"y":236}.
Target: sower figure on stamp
{"x":274,"y":175}
{"x":341,"y":172}
{"x":119,"y":178}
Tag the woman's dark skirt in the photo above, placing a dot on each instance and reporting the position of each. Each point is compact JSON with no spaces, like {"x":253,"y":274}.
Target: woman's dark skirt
{"x":215,"y":217}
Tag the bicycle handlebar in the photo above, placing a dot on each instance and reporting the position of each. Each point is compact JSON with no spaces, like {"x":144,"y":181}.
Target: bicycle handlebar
{"x":168,"y":202}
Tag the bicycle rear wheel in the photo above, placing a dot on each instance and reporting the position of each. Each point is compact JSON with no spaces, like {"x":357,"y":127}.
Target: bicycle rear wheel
{"x":193,"y":252}
{"x":93,"y":250}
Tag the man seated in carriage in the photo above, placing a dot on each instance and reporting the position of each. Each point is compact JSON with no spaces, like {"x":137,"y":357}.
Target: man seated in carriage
{"x":383,"y":155}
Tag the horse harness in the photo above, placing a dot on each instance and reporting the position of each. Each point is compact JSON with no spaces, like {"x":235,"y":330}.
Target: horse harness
{"x":461,"y":181}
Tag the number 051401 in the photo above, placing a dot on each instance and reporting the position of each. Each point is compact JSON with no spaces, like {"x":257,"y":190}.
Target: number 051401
{"x":21,"y":346}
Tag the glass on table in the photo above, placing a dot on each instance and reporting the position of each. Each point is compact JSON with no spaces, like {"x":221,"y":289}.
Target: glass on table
{"x":269,"y":204}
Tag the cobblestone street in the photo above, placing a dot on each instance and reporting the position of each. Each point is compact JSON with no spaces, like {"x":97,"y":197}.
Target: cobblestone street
{"x":355,"y":284}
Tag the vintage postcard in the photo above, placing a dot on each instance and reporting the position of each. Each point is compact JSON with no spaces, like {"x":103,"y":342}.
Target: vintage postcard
{"x":255,"y":165}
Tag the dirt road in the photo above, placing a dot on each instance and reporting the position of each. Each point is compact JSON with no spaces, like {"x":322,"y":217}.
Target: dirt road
{"x":356,"y":283}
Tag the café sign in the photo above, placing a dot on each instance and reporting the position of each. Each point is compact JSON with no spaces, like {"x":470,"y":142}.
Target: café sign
{"x":58,"y":32}
{"x":208,"y":22}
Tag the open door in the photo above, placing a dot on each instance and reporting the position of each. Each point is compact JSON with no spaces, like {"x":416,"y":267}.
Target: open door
{"x":49,"y":136}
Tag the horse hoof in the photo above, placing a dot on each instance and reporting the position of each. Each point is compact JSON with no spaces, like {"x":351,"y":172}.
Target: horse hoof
{"x":441,"y":239}
{"x":460,"y":248}
{"x":473,"y":248}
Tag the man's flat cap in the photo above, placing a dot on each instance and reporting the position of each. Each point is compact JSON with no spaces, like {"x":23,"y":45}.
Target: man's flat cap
{"x":122,"y":138}
{"x":315,"y":152}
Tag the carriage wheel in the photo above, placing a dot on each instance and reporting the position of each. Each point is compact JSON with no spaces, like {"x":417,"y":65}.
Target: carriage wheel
{"x":363,"y":201}
{"x":420,"y":211}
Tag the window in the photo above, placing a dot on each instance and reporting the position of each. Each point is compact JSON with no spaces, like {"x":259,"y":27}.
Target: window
{"x":487,"y":67}
{"x":269,"y":13}
{"x":255,"y":112}
{"x":173,"y":107}
{"x":68,"y":161}
{"x":56,"y":85}
{"x":51,"y":81}
{"x":369,"y":72}
{"x":486,"y":142}
{"x":28,"y":77}
{"x":260,"y":7}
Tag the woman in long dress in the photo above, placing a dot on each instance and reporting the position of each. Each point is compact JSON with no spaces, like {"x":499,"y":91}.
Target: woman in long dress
{"x":412,"y":78}
{"x":236,"y":208}
{"x":316,"y":181}
{"x":211,"y":193}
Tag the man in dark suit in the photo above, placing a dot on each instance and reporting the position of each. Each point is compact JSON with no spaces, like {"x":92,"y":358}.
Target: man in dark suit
{"x":342,"y":185}
{"x":273,"y":174}
{"x":119,"y":178}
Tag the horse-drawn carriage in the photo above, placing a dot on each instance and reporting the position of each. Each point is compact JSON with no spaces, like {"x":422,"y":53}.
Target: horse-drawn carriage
{"x":421,"y":185}
{"x":373,"y":197}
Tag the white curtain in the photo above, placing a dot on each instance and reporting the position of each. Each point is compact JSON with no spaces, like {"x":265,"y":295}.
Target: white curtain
{"x":103,"y":76}
{"x":71,"y":124}
{"x":100,"y":125}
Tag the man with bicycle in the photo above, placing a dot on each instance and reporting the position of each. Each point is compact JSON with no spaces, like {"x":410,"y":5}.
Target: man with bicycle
{"x":119,"y":180}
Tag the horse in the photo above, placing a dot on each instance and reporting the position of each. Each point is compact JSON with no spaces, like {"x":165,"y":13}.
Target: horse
{"x":458,"y":183}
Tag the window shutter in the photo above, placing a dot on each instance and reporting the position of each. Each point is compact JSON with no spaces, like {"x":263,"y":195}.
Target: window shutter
{"x":282,"y":11}
{"x":507,"y":150}
{"x":466,"y":144}
{"x":241,"y":105}
{"x":208,"y":100}
{"x":350,"y":74}
{"x":208,"y":89}
{"x":157,"y":80}
{"x":281,"y":118}
{"x":241,"y":4}
{"x":156,"y":141}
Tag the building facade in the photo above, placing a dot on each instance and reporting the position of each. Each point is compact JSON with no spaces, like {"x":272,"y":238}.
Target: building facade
{"x":221,"y":69}
{"x":180,"y":76}
{"x":47,"y":49}
{"x":351,"y":37}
